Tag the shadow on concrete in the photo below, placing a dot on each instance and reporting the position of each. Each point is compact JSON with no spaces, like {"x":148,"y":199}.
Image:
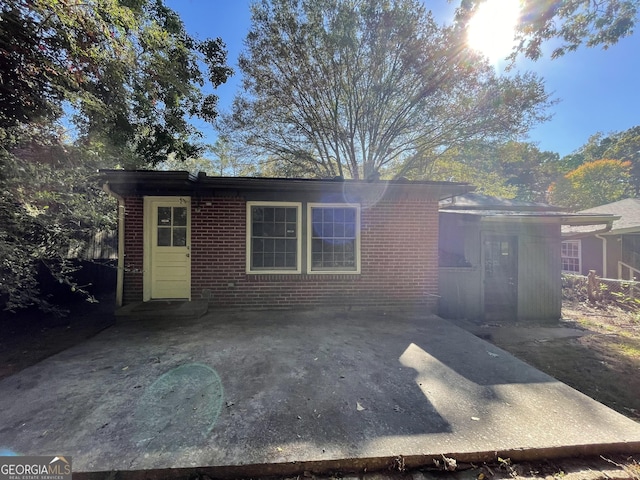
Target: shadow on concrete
{"x":274,"y":387}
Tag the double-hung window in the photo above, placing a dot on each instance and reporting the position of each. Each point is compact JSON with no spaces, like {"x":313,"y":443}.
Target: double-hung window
{"x":571,"y":256}
{"x":333,"y":238}
{"x":273,"y":237}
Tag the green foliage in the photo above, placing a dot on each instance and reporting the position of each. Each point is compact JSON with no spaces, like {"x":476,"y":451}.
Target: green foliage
{"x":509,"y":170}
{"x":592,"y":184}
{"x":128,"y":78}
{"x":127,"y":69}
{"x":360,"y":89}
{"x":49,"y":202}
{"x":572,"y":22}
{"x":623,"y":146}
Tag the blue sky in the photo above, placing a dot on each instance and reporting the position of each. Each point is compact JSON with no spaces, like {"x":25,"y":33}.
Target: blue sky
{"x":598,"y":89}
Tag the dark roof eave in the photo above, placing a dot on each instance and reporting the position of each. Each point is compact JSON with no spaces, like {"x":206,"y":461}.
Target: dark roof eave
{"x":143,"y":182}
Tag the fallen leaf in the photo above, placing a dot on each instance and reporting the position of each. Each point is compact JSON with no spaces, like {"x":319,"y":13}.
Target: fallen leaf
{"x":475,"y":418}
{"x":493,"y":354}
{"x":126,"y":368}
{"x":359,"y":407}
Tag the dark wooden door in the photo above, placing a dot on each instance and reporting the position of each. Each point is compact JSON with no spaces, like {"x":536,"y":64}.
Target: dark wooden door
{"x":500,"y":277}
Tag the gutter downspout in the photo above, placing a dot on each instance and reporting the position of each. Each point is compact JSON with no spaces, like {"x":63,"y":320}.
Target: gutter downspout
{"x":604,"y":255}
{"x":120,"y":272}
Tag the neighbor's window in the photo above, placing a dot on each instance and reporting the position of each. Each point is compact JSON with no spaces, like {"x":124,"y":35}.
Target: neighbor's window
{"x":571,"y":256}
{"x":333,"y":241}
{"x":273,"y":237}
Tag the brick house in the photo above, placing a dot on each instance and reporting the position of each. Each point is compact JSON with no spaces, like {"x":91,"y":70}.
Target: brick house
{"x":249,"y":242}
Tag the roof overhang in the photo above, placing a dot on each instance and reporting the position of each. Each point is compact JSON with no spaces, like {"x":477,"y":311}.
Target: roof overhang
{"x":150,"y":182}
{"x":562,"y":218}
{"x":580,"y":225}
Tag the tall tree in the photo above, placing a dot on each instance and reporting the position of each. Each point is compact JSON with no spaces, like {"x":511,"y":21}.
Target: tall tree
{"x":127,"y":70}
{"x":509,"y":169}
{"x":360,"y":88}
{"x":572,"y":22}
{"x":592,"y":184}
{"x":623,"y":145}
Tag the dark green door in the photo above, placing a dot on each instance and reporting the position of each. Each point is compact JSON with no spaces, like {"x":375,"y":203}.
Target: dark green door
{"x":500,"y":277}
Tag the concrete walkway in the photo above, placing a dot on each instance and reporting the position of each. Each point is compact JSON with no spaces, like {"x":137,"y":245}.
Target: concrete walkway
{"x":280,"y":392}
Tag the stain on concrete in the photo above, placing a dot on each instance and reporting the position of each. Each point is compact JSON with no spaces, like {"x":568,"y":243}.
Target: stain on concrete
{"x":180,"y":408}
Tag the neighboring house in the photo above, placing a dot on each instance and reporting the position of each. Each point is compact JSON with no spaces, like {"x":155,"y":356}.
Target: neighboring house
{"x":612,"y":252}
{"x":501,"y":259}
{"x":266,"y":242}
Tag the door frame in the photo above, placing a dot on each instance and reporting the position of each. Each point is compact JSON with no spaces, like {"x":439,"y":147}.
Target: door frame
{"x":148,"y":234}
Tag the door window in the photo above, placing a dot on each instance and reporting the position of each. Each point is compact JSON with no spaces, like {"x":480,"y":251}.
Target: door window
{"x":172,"y":226}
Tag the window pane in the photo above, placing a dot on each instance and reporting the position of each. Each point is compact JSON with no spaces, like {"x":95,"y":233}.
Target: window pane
{"x":258,"y":245}
{"x":291,"y":215}
{"x":279,"y":260}
{"x":257,"y":260}
{"x":164,"y":216}
{"x":257,"y":214}
{"x":180,"y":216}
{"x":291,"y":246}
{"x":269,"y":245}
{"x":267,"y":229}
{"x":179,"y":237}
{"x":350,"y":215}
{"x":269,"y":214}
{"x":280,"y":214}
{"x":291,"y":230}
{"x":279,"y":229}
{"x":164,"y":236}
{"x":327,"y":231}
{"x":328,"y":214}
{"x":350,"y":230}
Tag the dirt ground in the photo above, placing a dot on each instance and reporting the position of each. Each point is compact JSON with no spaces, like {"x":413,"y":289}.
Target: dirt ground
{"x":596,"y":350}
{"x":29,"y":336}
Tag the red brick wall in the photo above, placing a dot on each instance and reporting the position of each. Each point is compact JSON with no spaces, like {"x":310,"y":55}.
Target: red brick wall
{"x":399,"y":264}
{"x":133,"y":249}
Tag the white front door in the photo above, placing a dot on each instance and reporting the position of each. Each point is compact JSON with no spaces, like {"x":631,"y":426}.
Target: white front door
{"x":168,"y":253}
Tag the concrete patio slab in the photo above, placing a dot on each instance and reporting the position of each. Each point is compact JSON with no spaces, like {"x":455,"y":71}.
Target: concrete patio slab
{"x":284,"y":391}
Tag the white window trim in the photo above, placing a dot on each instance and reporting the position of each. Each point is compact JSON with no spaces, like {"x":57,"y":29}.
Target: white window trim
{"x":309,"y":235}
{"x":579,"y":257}
{"x":280,"y":271}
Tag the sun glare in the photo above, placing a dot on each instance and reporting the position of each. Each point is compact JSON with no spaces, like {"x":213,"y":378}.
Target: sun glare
{"x":491,"y":30}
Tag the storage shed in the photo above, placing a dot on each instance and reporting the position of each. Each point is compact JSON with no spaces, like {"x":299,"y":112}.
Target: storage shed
{"x":500,"y":259}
